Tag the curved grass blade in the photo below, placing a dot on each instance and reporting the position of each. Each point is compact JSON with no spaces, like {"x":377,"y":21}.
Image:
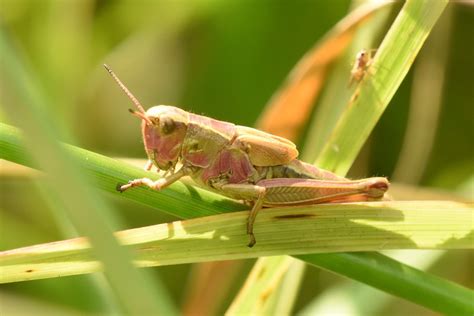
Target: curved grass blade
{"x":418,"y":287}
{"x":338,"y":91}
{"x":353,"y":296}
{"x":296,"y":230}
{"x":391,"y":63}
{"x":289,"y":108}
{"x":180,"y":200}
{"x":263,"y":282}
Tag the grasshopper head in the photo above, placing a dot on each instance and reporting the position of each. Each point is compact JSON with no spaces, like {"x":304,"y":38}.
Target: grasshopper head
{"x":164,"y":129}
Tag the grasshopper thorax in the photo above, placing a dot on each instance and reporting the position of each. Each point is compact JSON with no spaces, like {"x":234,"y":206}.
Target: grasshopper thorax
{"x":164,"y":129}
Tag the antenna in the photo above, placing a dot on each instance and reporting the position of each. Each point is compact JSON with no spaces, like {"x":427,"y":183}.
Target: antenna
{"x":127,"y":92}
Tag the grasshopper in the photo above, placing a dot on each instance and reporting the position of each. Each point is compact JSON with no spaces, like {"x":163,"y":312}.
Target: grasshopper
{"x":237,"y":161}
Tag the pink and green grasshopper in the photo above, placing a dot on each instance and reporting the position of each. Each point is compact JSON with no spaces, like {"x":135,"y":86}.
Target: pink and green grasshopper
{"x":240,"y":162}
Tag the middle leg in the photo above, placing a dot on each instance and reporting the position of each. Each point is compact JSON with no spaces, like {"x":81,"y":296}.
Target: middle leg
{"x":248,"y":192}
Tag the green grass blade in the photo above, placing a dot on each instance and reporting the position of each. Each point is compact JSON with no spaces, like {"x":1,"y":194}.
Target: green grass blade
{"x":284,"y":298}
{"x":390,"y":65}
{"x":297,"y":230}
{"x":288,"y":109}
{"x":271,"y":287}
{"x":180,"y":200}
{"x":265,"y":277}
{"x":132,"y":287}
{"x":396,"y":278}
{"x":337,"y":91}
{"x":353,"y":296}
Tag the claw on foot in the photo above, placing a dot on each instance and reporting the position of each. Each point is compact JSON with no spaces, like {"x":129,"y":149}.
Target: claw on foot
{"x":119,"y":187}
{"x":252,"y":241}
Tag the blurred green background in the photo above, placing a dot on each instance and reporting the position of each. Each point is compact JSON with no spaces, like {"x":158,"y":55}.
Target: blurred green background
{"x":223,"y":59}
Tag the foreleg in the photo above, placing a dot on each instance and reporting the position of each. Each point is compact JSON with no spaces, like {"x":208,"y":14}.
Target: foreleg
{"x":155,"y":185}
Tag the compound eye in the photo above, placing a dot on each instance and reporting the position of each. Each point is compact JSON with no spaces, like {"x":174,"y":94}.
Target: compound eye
{"x":167,"y":125}
{"x":155,"y":120}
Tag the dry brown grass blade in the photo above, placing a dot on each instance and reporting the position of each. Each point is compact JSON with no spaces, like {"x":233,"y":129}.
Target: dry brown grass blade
{"x":289,"y":108}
